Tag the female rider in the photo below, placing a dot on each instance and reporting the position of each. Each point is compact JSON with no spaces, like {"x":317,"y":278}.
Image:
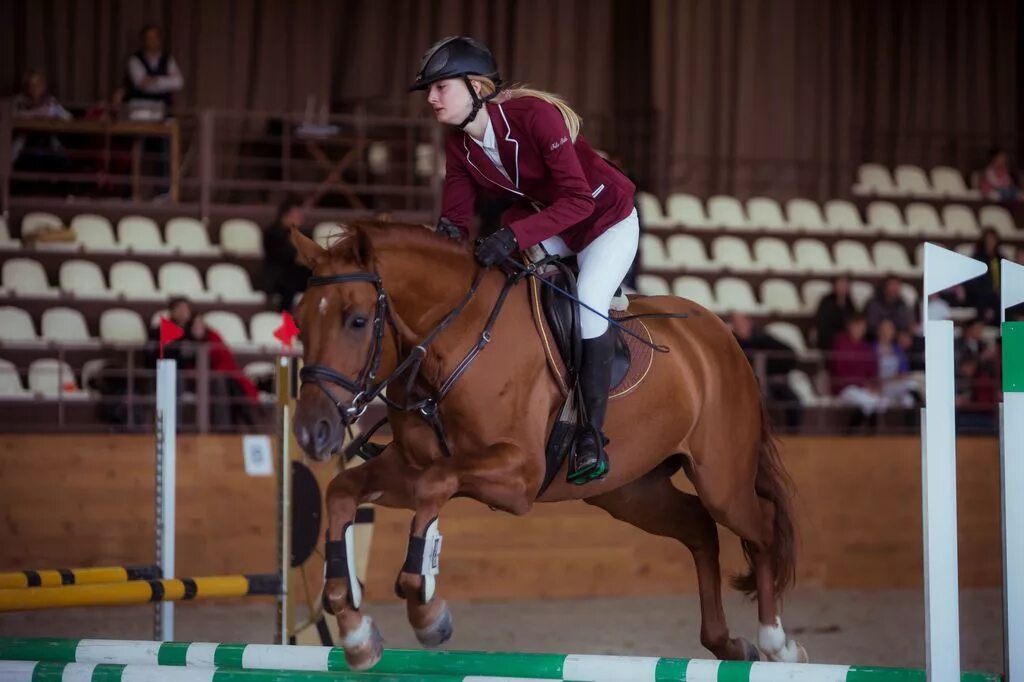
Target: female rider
{"x":526,"y":145}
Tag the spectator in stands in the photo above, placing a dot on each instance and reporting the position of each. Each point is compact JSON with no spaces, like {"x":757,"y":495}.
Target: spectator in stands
{"x":833,"y":312}
{"x":284,"y":275}
{"x":38,"y":152}
{"x":778,"y":360}
{"x":894,"y":368}
{"x":971,"y":343}
{"x":151,"y":74}
{"x":854,"y":371}
{"x":997,"y":182}
{"x":888,"y":304}
{"x":911,"y":342}
{"x":983,"y":291}
{"x":233,"y":396}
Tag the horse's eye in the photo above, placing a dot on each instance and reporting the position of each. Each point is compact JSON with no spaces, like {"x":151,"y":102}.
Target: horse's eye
{"x":357,"y":322}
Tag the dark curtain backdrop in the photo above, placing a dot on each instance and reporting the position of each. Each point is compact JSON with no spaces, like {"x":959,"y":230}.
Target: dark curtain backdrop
{"x":782,"y":97}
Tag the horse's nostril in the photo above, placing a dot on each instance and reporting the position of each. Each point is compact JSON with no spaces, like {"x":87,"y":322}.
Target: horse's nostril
{"x":323,"y":433}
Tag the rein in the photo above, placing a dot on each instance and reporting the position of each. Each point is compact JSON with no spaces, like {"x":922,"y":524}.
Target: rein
{"x":364,"y":389}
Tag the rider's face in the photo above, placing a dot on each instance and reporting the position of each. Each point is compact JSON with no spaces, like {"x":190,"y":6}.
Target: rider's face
{"x":450,"y":100}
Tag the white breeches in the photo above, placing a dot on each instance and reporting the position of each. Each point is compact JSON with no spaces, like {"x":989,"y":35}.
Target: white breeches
{"x":603,"y":263}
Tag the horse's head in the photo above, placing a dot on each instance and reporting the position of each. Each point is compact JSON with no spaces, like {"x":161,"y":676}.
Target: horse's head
{"x":342,"y":319}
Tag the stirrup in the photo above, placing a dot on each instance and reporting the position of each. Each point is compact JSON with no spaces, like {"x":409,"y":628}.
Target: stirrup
{"x":592,"y":471}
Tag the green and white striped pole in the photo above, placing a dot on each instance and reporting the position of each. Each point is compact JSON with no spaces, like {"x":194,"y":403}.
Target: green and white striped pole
{"x":438,"y":665}
{"x":1011,"y":441}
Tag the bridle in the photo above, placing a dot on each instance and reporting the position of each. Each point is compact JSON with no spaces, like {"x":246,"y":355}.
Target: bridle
{"x":365,"y":387}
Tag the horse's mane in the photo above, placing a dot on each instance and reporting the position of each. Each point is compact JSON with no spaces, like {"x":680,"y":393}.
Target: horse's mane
{"x":387,"y":236}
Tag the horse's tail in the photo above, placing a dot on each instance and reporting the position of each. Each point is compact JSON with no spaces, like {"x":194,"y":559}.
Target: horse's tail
{"x":773,"y":484}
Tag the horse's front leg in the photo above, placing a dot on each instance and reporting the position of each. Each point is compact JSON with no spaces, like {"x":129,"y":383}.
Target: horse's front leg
{"x":379,"y":481}
{"x":428,"y":614}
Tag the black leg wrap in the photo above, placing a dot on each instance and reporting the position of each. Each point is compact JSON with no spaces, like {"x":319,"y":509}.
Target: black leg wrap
{"x":414,"y":564}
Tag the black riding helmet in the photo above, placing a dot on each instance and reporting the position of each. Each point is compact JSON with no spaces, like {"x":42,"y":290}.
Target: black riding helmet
{"x":458,"y":57}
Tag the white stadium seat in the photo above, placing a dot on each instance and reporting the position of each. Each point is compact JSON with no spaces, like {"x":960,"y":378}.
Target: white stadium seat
{"x":122,"y":326}
{"x":37,"y":220}
{"x":805,"y":215}
{"x":241,"y":237}
{"x":874,"y":179}
{"x":734,"y":294}
{"x":843,"y":216}
{"x":651,"y":215}
{"x":182,"y":279}
{"x":732,"y":253}
{"x":913,"y":181}
{"x":999,"y":219}
{"x":189,"y":237}
{"x":686,"y":210}
{"x":229,"y":326}
{"x":861,"y":292}
{"x":886,"y":217}
{"x":812,"y":256}
{"x":16,"y":326}
{"x":686,"y":252}
{"x":49,"y":377}
{"x":780,"y":296}
{"x":696,"y":289}
{"x":802,"y":385}
{"x":949,"y":182}
{"x":94,"y":233}
{"x":652,"y":285}
{"x":134,"y":281}
{"x":141,"y":235}
{"x":7,"y":243}
{"x":726,"y":212}
{"x":11,"y":387}
{"x":230,"y":282}
{"x":813,"y":291}
{"x":772,"y":254}
{"x":923,"y":219}
{"x":891,"y":259}
{"x":961,"y":221}
{"x":763,"y":212}
{"x":853,"y":257}
{"x":26,"y":277}
{"x":789,"y":334}
{"x":326,"y":233}
{"x":65,"y":325}
{"x":653,"y":254}
{"x":262,"y":327}
{"x":84,"y":279}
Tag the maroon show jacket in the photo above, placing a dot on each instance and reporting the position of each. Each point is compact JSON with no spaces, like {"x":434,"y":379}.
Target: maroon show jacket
{"x":562,"y":188}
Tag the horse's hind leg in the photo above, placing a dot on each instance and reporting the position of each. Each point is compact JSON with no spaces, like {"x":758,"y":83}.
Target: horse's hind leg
{"x":653,"y":504}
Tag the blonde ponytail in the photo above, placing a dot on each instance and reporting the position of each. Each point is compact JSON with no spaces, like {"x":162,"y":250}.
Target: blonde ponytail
{"x":573,"y":121}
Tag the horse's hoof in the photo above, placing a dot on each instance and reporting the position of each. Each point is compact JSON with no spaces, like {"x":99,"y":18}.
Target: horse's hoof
{"x":750,"y":652}
{"x":365,"y":655}
{"x":438,"y":632}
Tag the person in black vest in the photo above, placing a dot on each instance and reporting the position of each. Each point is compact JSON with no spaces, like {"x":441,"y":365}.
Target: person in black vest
{"x":153,"y":76}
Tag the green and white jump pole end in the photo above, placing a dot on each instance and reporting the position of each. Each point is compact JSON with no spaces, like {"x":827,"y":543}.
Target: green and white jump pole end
{"x":1011,"y":429}
{"x":942,"y":269}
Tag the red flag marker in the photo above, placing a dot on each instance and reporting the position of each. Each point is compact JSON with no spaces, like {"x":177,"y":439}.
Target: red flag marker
{"x":169,"y":332}
{"x":287,"y":332}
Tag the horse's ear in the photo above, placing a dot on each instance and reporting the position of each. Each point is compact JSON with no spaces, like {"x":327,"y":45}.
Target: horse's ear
{"x":310,"y":252}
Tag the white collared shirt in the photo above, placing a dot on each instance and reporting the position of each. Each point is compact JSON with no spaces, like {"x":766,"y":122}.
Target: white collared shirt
{"x":490,"y":147}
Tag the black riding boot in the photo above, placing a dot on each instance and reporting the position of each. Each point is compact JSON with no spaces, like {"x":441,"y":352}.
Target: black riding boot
{"x":590,"y":461}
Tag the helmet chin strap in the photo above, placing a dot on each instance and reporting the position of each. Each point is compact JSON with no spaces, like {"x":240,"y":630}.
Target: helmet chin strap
{"x":478,"y":102}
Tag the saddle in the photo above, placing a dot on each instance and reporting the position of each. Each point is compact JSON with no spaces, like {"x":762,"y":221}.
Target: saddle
{"x":557,"y":319}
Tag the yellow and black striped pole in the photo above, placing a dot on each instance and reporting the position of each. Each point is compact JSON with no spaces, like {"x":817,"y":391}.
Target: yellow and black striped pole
{"x":138,"y":592}
{"x":76,"y":576}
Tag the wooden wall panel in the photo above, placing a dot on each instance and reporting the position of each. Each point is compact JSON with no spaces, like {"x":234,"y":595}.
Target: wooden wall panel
{"x":88,"y":500}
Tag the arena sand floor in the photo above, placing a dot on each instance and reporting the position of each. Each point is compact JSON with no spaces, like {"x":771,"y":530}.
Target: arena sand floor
{"x":864,"y":628}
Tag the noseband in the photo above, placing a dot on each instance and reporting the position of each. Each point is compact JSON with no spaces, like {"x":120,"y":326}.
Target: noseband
{"x":363,"y":388}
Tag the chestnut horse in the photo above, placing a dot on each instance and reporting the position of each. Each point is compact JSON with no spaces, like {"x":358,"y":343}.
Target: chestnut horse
{"x":389,"y":297}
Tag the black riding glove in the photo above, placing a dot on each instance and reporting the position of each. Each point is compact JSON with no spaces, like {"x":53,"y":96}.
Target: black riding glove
{"x":496,"y":247}
{"x":449,"y":229}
